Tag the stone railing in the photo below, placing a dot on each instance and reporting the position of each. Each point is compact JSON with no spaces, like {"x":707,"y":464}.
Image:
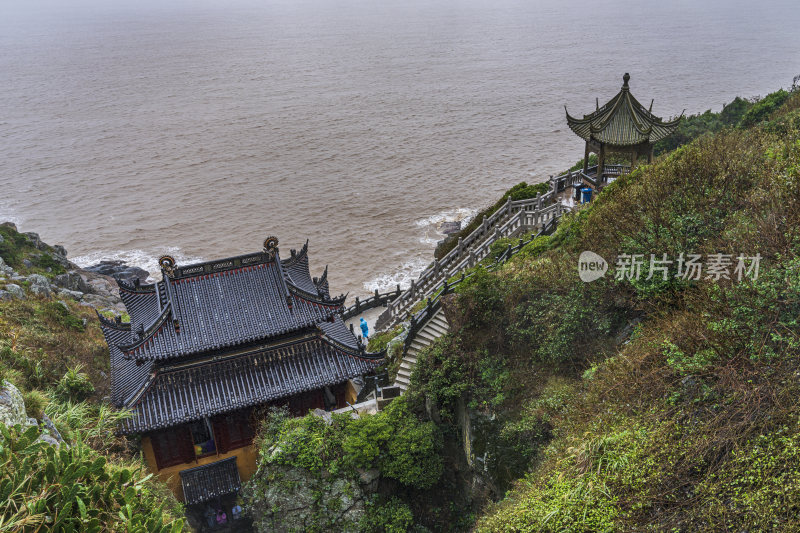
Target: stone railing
{"x":376,"y":300}
{"x":432,"y":305}
{"x":510,"y":220}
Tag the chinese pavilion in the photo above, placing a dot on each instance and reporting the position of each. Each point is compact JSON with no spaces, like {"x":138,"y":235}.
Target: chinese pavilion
{"x":210,"y":343}
{"x":624,"y":126}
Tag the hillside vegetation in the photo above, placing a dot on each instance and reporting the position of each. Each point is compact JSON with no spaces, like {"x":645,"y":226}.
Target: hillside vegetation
{"x":645,"y":404}
{"x":53,"y":351}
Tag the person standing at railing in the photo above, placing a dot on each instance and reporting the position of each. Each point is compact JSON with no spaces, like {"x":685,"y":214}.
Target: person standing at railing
{"x":364,"y":329}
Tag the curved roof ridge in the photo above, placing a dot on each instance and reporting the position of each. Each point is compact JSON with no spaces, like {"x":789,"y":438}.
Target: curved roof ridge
{"x":296,"y":255}
{"x":149,"y":333}
{"x":131,"y":287}
{"x":113,"y":324}
{"x":315,"y":298}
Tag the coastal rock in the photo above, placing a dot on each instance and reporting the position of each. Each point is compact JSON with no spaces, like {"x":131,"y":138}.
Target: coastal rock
{"x":5,"y":295}
{"x":450,"y":227}
{"x":38,"y":279}
{"x":12,"y":406}
{"x":5,"y":269}
{"x":40,"y":285}
{"x":72,"y":281}
{"x":35,"y":240}
{"x":15,"y":290}
{"x":66,"y":293}
{"x":120,"y":271}
{"x":60,"y":250}
{"x":8,"y":224}
{"x":27,"y":263}
{"x":283,"y":499}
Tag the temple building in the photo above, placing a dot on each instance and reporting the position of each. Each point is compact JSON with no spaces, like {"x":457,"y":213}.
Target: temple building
{"x":211,"y":345}
{"x":621,"y":126}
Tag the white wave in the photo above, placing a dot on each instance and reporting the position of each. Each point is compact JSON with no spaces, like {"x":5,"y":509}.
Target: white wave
{"x":432,"y":225}
{"x":138,"y":258}
{"x":7,"y":214}
{"x":402,"y":276}
{"x":461,"y":214}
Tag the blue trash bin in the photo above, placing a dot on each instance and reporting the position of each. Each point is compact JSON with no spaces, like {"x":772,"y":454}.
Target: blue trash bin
{"x":586,"y":195}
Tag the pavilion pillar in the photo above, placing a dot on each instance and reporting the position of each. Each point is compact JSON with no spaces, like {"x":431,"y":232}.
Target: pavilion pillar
{"x":601,"y":162}
{"x":634,"y":157}
{"x":650,"y":155}
{"x":586,"y":158}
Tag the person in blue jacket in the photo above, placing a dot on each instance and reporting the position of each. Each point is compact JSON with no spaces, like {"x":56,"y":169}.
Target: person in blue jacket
{"x":364,"y":329}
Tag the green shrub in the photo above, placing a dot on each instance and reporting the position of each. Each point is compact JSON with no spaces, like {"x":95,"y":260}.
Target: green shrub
{"x":762,"y":109}
{"x":35,"y":402}
{"x":394,"y":516}
{"x":72,"y":488}
{"x":75,"y":385}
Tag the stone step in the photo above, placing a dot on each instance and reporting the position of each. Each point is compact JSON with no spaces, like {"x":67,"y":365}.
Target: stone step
{"x":405,"y":374}
{"x":437,"y":329}
{"x":401,"y":382}
{"x":427,"y":336}
{"x":419,"y":344}
{"x":411,"y":358}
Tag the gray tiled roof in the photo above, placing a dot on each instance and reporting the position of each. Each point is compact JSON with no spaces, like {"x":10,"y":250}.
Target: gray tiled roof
{"x":183,"y":392}
{"x":206,"y":482}
{"x":218,"y":336}
{"x":220,"y":310}
{"x":623,"y":121}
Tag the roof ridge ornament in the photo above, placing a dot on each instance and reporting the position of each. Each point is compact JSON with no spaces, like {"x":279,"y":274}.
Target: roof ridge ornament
{"x":167,"y":264}
{"x":271,"y":246}
{"x":625,"y":79}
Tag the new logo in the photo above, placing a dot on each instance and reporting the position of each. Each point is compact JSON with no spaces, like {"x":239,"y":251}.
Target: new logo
{"x":591,"y":266}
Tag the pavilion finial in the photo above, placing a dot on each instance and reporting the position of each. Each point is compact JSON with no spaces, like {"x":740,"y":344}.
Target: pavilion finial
{"x":625,"y":79}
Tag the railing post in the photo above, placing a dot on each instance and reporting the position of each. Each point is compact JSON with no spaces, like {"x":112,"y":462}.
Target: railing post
{"x":358,"y":305}
{"x":508,"y":205}
{"x":484,"y":224}
{"x":413,"y":287}
{"x":445,"y":287}
{"x":460,"y":245}
{"x":472,"y":258}
{"x":436,"y":266}
{"x":538,"y":201}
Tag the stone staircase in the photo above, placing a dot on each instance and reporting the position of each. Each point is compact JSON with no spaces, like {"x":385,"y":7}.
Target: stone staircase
{"x":434,"y":328}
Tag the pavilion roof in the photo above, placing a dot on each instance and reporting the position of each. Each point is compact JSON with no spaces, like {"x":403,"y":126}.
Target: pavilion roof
{"x":623,"y":121}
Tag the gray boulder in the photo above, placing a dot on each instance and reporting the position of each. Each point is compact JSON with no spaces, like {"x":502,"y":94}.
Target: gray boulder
{"x":8,"y":224}
{"x":66,"y":293}
{"x":5,"y":269}
{"x":38,"y":279}
{"x":72,"y":281}
{"x":5,"y":295}
{"x":60,"y":250}
{"x":284,"y":499}
{"x":35,"y":240}
{"x":120,"y":271}
{"x":15,"y":290}
{"x":40,"y":285}
{"x":12,"y":406}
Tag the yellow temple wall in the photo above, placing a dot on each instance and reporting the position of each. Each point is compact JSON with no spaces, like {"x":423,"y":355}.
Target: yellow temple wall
{"x":246,"y":459}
